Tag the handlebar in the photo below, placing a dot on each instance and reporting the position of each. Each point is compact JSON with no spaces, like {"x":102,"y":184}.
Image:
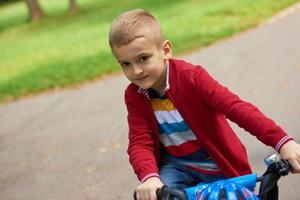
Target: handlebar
{"x":268,"y":187}
{"x":166,"y":193}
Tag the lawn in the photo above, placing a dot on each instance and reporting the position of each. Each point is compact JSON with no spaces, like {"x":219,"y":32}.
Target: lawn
{"x":64,"y":49}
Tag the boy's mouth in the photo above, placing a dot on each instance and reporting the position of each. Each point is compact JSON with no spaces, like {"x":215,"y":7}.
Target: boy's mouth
{"x":141,"y":78}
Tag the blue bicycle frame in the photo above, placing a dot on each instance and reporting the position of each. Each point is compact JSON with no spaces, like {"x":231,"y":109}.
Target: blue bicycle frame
{"x":248,"y":181}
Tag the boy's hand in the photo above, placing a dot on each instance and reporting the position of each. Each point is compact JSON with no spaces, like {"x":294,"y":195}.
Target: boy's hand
{"x":291,"y":151}
{"x":147,"y":190}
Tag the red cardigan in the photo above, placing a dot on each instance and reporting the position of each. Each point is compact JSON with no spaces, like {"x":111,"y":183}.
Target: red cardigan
{"x":205,"y":105}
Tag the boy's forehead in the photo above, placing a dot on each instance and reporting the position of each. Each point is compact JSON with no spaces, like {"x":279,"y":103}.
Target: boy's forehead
{"x":135,"y":48}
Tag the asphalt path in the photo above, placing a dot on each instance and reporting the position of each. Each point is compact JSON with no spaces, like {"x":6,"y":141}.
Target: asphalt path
{"x":71,"y":144}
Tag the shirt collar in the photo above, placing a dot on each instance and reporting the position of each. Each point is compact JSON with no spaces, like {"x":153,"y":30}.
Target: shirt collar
{"x":167,"y":77}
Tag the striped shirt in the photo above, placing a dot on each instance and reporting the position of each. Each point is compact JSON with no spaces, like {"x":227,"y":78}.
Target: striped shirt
{"x":179,"y":141}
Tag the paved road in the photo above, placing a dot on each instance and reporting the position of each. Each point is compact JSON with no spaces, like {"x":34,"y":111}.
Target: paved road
{"x":70,"y":145}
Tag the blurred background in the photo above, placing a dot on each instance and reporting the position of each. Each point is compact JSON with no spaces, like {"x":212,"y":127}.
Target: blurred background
{"x":49,"y":44}
{"x":63,"y":128}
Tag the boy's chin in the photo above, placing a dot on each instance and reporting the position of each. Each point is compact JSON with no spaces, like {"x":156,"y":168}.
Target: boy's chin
{"x":145,"y":87}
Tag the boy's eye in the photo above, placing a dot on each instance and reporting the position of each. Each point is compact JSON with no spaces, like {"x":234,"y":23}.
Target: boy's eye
{"x":125,"y":64}
{"x":143,"y":58}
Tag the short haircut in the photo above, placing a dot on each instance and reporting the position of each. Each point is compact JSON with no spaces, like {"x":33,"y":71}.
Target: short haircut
{"x":134,"y":24}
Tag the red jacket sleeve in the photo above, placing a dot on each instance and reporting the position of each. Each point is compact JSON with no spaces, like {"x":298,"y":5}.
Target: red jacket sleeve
{"x":141,"y":144}
{"x":244,"y":114}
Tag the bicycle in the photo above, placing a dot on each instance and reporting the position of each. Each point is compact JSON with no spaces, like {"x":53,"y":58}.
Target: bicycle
{"x":268,"y":189}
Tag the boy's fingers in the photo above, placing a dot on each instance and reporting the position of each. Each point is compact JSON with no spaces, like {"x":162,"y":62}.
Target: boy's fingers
{"x":145,"y":195}
{"x":148,"y":196}
{"x":153,"y":195}
{"x":140,"y":195}
{"x":295,"y":166}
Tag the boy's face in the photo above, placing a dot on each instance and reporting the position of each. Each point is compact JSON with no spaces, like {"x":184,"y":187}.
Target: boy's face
{"x":144,"y":63}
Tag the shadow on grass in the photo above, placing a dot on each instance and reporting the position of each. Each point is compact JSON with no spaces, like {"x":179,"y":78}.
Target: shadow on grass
{"x":13,"y":20}
{"x":4,"y":3}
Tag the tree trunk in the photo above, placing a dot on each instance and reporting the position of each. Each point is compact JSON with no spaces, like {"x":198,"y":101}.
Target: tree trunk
{"x":73,"y":6}
{"x":35,"y":10}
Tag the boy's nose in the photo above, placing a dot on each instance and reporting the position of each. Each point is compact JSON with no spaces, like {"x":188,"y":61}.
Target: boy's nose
{"x":137,"y":70}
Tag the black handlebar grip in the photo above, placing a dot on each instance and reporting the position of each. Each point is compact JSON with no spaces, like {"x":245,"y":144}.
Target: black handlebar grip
{"x":134,"y":195}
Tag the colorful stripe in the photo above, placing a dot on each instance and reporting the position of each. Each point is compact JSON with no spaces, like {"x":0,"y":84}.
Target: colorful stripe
{"x":162,"y":104}
{"x":283,"y":141}
{"x":169,"y":128}
{"x":149,"y":176}
{"x":184,"y":149}
{"x":177,"y":138}
{"x":168,"y":117}
{"x":197,"y":160}
{"x":180,"y":142}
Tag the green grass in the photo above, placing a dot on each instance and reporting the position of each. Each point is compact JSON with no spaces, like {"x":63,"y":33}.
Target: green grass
{"x":63,"y":49}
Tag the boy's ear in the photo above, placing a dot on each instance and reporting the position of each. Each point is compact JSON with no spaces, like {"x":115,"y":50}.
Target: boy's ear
{"x":167,"y":49}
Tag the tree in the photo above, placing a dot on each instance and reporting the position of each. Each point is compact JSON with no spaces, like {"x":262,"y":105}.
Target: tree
{"x":73,"y":6}
{"x":36,"y":13}
{"x":35,"y":10}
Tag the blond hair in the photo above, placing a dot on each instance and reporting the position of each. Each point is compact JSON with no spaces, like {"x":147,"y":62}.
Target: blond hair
{"x":134,"y":24}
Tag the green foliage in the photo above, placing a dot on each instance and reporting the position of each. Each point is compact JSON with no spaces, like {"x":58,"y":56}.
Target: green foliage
{"x":63,"y":49}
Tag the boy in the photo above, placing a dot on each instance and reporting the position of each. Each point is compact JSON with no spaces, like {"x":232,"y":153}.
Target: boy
{"x":178,"y":133}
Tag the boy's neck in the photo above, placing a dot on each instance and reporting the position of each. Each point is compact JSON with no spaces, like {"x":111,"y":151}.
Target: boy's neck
{"x":154,"y":94}
{"x":161,"y":93}
{"x":161,"y":90}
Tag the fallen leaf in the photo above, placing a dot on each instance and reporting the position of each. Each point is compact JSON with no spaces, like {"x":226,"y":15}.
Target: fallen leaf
{"x":90,"y":169}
